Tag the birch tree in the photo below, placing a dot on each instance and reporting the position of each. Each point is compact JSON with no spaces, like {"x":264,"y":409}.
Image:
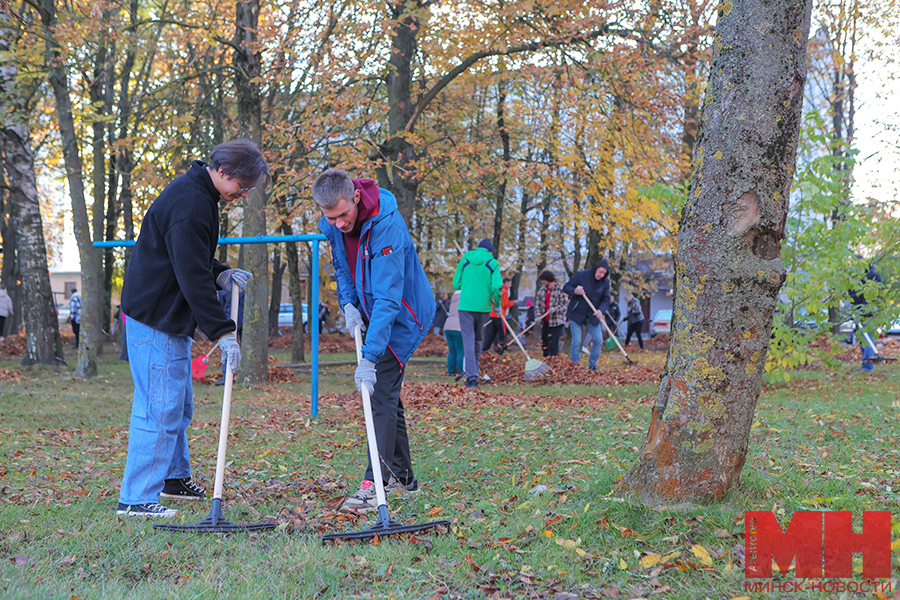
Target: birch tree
{"x":42,"y":341}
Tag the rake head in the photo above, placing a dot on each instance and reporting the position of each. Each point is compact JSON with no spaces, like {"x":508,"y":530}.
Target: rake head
{"x":216,"y":523}
{"x":535,"y":370}
{"x":385,"y":526}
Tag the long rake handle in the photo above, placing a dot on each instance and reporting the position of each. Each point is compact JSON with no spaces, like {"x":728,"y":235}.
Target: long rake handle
{"x":372,"y":441}
{"x":226,"y":408}
{"x":612,"y":335}
{"x":521,"y":347}
{"x":533,"y":323}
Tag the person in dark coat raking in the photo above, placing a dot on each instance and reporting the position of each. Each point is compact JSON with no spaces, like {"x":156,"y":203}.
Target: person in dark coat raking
{"x":170,"y":290}
{"x":592,"y":283}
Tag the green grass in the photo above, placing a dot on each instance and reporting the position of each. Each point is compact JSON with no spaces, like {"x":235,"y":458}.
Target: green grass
{"x":827,"y":440}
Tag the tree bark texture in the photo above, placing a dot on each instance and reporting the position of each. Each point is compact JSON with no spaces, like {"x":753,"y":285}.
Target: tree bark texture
{"x":298,"y":354}
{"x":729,"y":266}
{"x":500,"y":200}
{"x":398,"y":173}
{"x":255,"y":342}
{"x":42,"y":341}
{"x":91,"y":258}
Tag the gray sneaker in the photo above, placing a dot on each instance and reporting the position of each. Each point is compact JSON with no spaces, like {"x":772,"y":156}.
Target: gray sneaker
{"x":363,"y":500}
{"x":395,"y":485}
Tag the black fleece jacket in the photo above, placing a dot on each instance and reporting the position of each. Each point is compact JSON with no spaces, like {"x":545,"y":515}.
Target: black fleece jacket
{"x":170,"y":283}
{"x":597,"y":291}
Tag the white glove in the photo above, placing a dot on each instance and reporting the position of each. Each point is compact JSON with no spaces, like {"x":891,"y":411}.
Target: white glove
{"x":229,"y":276}
{"x":231,"y":351}
{"x":352,"y":318}
{"x":365,"y":376}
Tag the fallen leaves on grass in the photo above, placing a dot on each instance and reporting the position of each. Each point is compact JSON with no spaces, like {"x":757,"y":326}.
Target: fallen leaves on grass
{"x":510,"y":369}
{"x":11,"y":375}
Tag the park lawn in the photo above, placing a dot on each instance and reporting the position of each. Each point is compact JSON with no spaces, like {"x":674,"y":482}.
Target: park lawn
{"x":523,"y":472}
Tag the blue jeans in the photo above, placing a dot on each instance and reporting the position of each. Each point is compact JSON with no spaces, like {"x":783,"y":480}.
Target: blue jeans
{"x":596,"y":332}
{"x":868,"y":352}
{"x":160,"y":412}
{"x":455,"y":353}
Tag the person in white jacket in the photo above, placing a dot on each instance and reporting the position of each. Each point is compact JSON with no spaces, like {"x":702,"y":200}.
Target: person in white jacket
{"x":6,"y":310}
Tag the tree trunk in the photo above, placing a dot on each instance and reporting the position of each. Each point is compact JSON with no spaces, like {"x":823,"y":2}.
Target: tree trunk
{"x":98,"y":96}
{"x":10,"y":275}
{"x":42,"y":342}
{"x":729,"y":264}
{"x":91,"y":258}
{"x":275,"y":298}
{"x":507,"y":156}
{"x":255,"y":343}
{"x":398,"y":173}
{"x":298,"y":354}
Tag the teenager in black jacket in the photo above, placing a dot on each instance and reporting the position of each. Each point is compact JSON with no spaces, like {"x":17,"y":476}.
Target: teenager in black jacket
{"x":170,"y":290}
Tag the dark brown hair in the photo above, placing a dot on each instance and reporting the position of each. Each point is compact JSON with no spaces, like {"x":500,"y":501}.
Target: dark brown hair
{"x":241,"y":160}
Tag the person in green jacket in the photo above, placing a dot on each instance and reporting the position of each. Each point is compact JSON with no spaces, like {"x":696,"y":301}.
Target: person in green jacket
{"x":479,"y":281}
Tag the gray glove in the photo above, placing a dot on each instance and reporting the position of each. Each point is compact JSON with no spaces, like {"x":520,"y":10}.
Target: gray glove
{"x":238,"y":276}
{"x":231,"y":351}
{"x":365,"y":376}
{"x":352,"y":318}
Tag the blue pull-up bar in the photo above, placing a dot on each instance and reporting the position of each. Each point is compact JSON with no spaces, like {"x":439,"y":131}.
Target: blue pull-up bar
{"x":315,"y":238}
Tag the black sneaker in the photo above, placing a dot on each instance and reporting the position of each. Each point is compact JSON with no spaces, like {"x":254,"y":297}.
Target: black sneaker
{"x":146,"y":510}
{"x":472,"y":383}
{"x":182,"y":489}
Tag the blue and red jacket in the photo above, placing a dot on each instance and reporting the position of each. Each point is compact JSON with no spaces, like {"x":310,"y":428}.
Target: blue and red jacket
{"x":390,"y":289}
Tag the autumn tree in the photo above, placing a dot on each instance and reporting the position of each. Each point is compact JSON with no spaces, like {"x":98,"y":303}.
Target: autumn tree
{"x":42,"y":341}
{"x":729,"y":265}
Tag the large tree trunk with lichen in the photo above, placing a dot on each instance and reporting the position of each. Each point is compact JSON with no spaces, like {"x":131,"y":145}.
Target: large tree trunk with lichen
{"x":729,"y":266}
{"x":255,"y":341}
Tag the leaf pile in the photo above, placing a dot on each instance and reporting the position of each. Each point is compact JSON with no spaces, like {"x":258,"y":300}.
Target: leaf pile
{"x":11,"y":375}
{"x":279,"y":374}
{"x":510,"y":369}
{"x":329,"y":343}
{"x":14,"y":345}
{"x":432,"y":345}
{"x":888,"y":347}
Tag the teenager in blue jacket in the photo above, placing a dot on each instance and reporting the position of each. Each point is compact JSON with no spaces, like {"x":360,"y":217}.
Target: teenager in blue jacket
{"x":383,"y":289}
{"x":590,"y":283}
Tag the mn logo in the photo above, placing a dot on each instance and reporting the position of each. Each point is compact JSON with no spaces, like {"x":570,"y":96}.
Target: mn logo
{"x":821,"y":544}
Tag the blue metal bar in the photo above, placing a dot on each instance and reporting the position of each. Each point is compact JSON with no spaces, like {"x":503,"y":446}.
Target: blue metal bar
{"x":312,"y":310}
{"x":314,"y":345}
{"x":259,"y":239}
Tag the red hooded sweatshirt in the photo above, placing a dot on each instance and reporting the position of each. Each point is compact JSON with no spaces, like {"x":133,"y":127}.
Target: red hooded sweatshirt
{"x":368,"y":207}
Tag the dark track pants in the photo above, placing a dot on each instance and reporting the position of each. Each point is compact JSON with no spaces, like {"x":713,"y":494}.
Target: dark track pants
{"x":635,"y":328}
{"x":471,"y":325}
{"x":390,"y":422}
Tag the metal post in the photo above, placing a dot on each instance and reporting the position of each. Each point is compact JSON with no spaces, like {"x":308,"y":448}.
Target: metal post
{"x":314,"y":371}
{"x":266,"y":239}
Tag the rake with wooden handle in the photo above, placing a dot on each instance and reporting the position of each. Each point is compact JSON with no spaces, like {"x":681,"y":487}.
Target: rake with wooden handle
{"x":215,"y":522}
{"x":615,"y":339}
